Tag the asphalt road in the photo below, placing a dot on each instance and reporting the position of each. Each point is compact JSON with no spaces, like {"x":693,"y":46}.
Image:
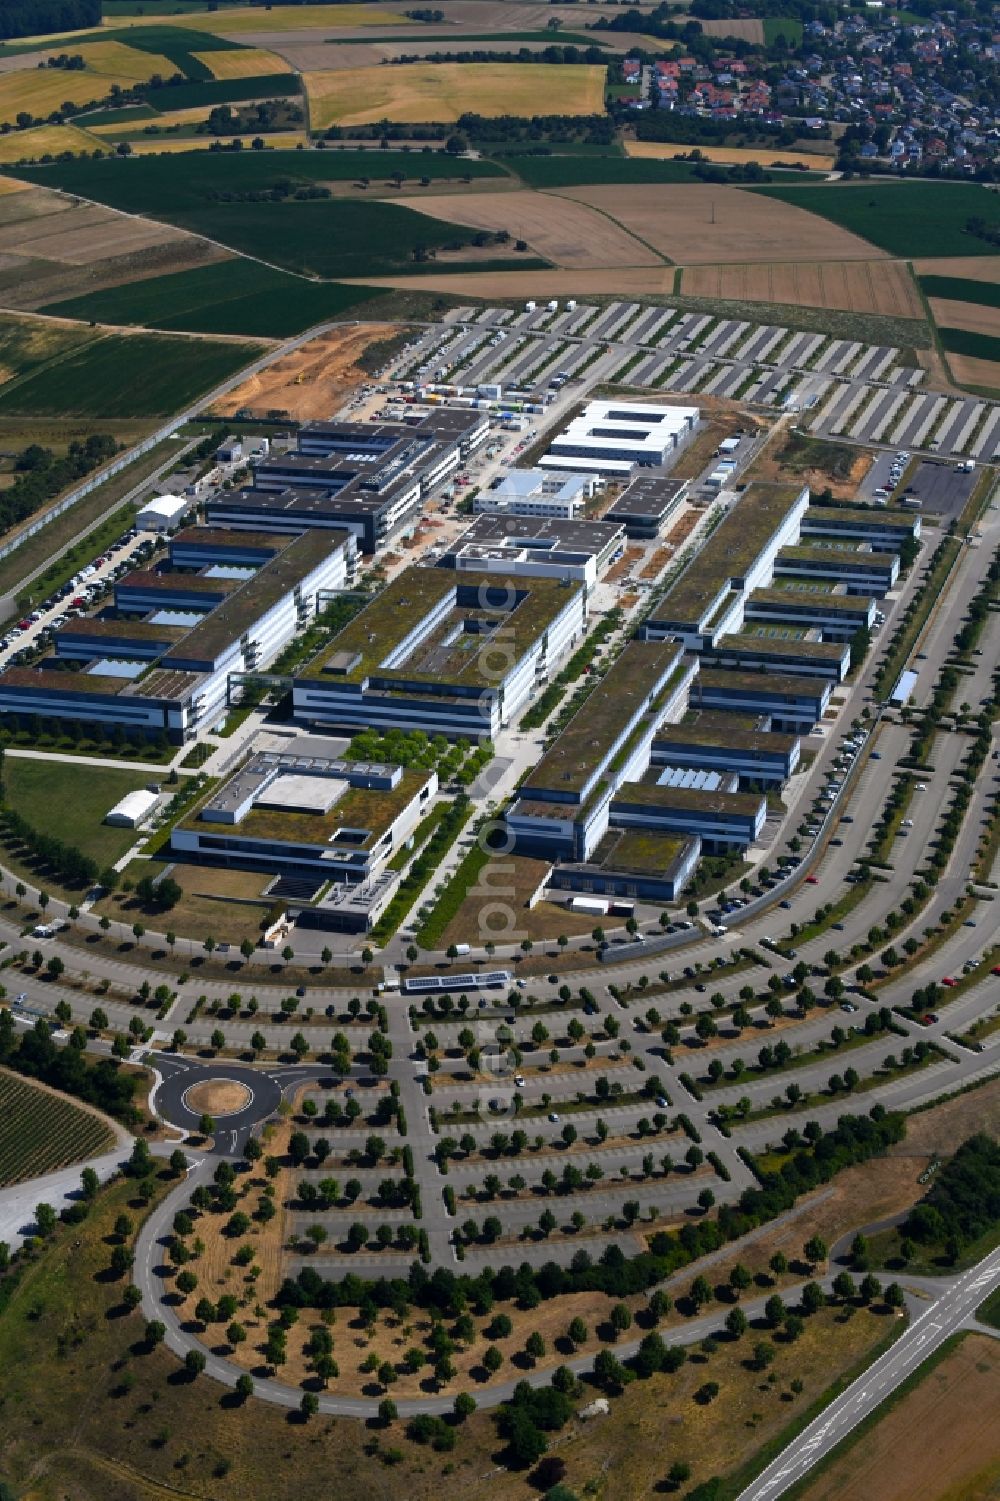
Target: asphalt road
{"x":955,"y":1305}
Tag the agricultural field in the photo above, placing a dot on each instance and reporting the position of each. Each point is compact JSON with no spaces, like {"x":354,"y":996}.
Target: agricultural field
{"x":977,"y":374}
{"x":962,"y":290}
{"x":28,"y":345}
{"x":857,"y":286}
{"x":744,"y":29}
{"x":165,"y":146}
{"x":981,"y":346}
{"x":239,"y":20}
{"x":937,"y":1440}
{"x":415,"y":92}
{"x":42,"y":1131}
{"x":38,"y":91}
{"x":980,"y":319}
{"x":129,"y":375}
{"x":243,"y":62}
{"x":963,"y":267}
{"x":729,"y":156}
{"x":571,"y":170}
{"x":45,"y":140}
{"x":39,"y":226}
{"x":567,"y":233}
{"x":229,"y":297}
{"x":700,"y":223}
{"x":907,"y":219}
{"x":315,"y":237}
{"x":493,"y":286}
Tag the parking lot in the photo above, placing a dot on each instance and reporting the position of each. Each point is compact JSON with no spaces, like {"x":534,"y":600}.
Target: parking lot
{"x":942,"y":488}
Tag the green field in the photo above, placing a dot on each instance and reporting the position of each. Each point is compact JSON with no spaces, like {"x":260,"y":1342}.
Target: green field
{"x":225,"y":91}
{"x":71,"y":800}
{"x":133,"y":375}
{"x":579,"y":171}
{"x":908,"y":219}
{"x":775,"y":26}
{"x":230,"y":297}
{"x":961,"y":289}
{"x":227,"y":196}
{"x":41,"y":1132}
{"x":963,"y":341}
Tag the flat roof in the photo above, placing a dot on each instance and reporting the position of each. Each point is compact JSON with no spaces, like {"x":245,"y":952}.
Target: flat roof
{"x":384,"y":624}
{"x":259,"y":593}
{"x":656,"y":795}
{"x":581,"y":747}
{"x":761,"y":682}
{"x":228,"y":537}
{"x":192,"y":583}
{"x":778,"y":646}
{"x":716,"y":728}
{"x":643,"y":851}
{"x":727,"y":554}
{"x":52,"y":680}
{"x":546,"y":535}
{"x":649,"y":494}
{"x":824,"y":599}
{"x":123,"y":630}
{"x":802,"y":551}
{"x":903,"y":521}
{"x":359,"y":811}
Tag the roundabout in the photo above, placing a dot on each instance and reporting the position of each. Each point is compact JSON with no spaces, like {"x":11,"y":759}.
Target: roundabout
{"x":238,"y":1098}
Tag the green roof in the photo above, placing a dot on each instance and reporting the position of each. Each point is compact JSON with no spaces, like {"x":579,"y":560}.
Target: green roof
{"x":903,"y":521}
{"x":776,"y":646}
{"x":715,"y":729}
{"x":763,"y":682}
{"x":644,"y":851}
{"x":358,"y":651}
{"x":256,"y":595}
{"x":583,"y":746}
{"x":729,"y":552}
{"x":838,"y":555}
{"x":369,"y":809}
{"x":653,"y":795}
{"x":823,"y":599}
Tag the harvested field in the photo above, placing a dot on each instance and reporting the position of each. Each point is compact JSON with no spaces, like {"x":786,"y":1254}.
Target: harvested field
{"x":237,"y":22}
{"x":10,"y":185}
{"x":699,"y":224}
{"x":160,"y":145}
{"x":82,"y":234}
{"x":311,"y":382}
{"x":420,"y":92}
{"x":733,"y":155}
{"x":747,"y":31}
{"x":118,"y":60}
{"x":45,"y":140}
{"x":972,"y":267}
{"x":857,"y":286}
{"x":242,"y":62}
{"x":939,"y":1441}
{"x":974,"y":316}
{"x":40,"y":91}
{"x":31,"y":284}
{"x":969,"y":371}
{"x":570,"y":234}
{"x":194,"y":116}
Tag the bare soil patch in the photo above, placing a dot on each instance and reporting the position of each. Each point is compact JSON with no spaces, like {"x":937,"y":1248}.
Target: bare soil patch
{"x":858,"y":286}
{"x":312,"y":381}
{"x":939,"y":1442}
{"x":974,"y":316}
{"x":696,"y":224}
{"x":84,"y":234}
{"x":34,"y":283}
{"x":218,"y":1097}
{"x":568,"y":233}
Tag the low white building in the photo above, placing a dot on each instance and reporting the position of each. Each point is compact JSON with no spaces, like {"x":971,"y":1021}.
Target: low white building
{"x":532,"y":492}
{"x":612,"y":437}
{"x":162,"y":513}
{"x":133,"y":809}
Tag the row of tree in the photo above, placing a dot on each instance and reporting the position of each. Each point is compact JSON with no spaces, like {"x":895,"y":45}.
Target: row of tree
{"x":39,"y":17}
{"x":35,"y":1055}
{"x":41,"y":474}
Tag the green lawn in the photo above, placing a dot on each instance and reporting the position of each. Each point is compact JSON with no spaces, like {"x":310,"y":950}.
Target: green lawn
{"x":133,"y":375}
{"x":962,"y":289}
{"x":963,"y":341}
{"x":775,"y":26}
{"x":230,"y":297}
{"x":908,"y":219}
{"x":70,"y":802}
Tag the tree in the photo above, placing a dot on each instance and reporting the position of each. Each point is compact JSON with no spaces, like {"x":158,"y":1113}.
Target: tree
{"x":309,"y":1406}
{"x":736,"y":1322}
{"x":621,"y":1318}
{"x":774,"y":1311}
{"x":244,"y":1387}
{"x":679,"y":1472}
{"x":45,"y":1220}
{"x":577,"y":1331}
{"x":388,"y":1412}
{"x":816,"y":1249}
{"x":492,"y":1359}
{"x":194,"y":1363}
{"x":465,"y":1406}
{"x":154,"y":1333}
{"x":89,"y":1183}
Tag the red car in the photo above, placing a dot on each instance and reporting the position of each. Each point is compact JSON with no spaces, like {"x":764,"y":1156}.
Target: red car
{"x":947,"y":980}
{"x":996,"y":969}
{"x":812,"y":880}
